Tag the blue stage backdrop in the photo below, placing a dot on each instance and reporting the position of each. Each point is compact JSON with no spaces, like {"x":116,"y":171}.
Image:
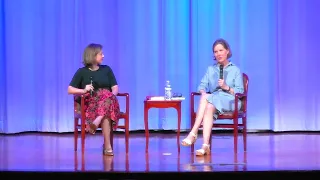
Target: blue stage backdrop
{"x":147,"y":42}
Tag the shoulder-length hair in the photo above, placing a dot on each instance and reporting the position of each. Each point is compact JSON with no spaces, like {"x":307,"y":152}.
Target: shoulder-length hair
{"x":225,"y":44}
{"x":90,"y":53}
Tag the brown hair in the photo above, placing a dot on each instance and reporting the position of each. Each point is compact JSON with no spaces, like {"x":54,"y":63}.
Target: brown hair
{"x":225,"y":44}
{"x":90,"y":53}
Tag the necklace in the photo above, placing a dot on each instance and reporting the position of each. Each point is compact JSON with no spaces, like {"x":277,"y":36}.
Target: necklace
{"x":93,"y":69}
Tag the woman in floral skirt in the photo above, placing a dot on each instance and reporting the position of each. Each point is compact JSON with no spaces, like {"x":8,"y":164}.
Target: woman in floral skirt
{"x":99,"y":86}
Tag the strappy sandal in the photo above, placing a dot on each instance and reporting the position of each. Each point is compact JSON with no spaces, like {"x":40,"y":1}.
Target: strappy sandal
{"x":205,"y":150}
{"x":108,"y":152}
{"x":188,"y":142}
{"x":92,"y":128}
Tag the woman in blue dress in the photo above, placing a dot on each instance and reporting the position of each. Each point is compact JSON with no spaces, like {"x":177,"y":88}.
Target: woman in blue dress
{"x":217,"y":94}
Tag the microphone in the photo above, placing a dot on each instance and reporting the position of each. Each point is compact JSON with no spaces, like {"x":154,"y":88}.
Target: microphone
{"x":221,"y":72}
{"x":91,"y":82}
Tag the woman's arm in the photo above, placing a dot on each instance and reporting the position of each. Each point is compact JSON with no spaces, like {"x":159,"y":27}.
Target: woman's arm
{"x":115,"y":89}
{"x":73,"y":90}
{"x":204,"y":84}
{"x":231,"y":91}
{"x":238,"y":84}
{"x":75,"y":84}
{"x":113,"y":82}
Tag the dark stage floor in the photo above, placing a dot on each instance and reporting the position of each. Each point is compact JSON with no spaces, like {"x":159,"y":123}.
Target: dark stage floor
{"x":54,"y":152}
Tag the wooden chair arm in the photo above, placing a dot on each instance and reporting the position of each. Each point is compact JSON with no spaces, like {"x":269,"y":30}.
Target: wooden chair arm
{"x":192,"y":105}
{"x":240,"y":95}
{"x":195,"y":94}
{"x":123,"y":94}
{"x":78,"y":95}
{"x":127,"y":100}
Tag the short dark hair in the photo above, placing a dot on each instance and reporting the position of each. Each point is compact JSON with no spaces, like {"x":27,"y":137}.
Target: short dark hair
{"x":90,"y":53}
{"x":225,"y":44}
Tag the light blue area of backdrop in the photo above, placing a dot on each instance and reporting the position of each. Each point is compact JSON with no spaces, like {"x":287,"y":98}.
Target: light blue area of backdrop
{"x":147,"y":42}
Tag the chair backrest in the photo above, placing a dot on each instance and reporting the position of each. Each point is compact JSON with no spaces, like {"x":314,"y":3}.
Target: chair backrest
{"x":246,"y":88}
{"x":245,"y":83}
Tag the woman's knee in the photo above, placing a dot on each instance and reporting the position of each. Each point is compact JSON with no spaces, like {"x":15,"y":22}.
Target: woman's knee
{"x":204,"y":97}
{"x":210,"y":108}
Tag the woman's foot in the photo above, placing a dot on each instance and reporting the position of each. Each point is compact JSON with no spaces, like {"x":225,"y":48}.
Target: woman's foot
{"x":189,"y":140}
{"x":92,"y":128}
{"x":108,"y":152}
{"x":107,"y":149}
{"x":205,"y":150}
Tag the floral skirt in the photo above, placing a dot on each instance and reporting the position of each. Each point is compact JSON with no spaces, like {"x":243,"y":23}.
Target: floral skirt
{"x":102,"y":103}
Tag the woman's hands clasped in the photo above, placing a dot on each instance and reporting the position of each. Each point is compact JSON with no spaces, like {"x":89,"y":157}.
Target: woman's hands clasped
{"x":88,"y":88}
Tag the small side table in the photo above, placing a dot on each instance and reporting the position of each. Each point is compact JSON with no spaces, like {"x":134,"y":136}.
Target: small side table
{"x":148,"y":104}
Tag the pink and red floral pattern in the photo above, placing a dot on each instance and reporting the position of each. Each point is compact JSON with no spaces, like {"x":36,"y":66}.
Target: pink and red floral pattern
{"x":102,"y":103}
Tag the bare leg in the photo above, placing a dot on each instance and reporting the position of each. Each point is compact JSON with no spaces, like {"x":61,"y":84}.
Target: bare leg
{"x":97,"y":121}
{"x":92,"y":127}
{"x":207,"y":128}
{"x":208,"y":123}
{"x":106,"y":129}
{"x":200,"y":113}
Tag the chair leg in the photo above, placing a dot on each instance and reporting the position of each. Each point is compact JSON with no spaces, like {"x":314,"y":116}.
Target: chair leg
{"x":235,"y":136}
{"x":192,"y":148}
{"x":235,"y":139}
{"x":76,"y":134}
{"x":111,"y":135}
{"x":193,"y":118}
{"x":127,"y":134}
{"x":83,"y":136}
{"x":244,"y":121}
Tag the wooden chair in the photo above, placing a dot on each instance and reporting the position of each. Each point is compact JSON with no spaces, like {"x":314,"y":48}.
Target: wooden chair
{"x":79,"y":113}
{"x":233,"y":116}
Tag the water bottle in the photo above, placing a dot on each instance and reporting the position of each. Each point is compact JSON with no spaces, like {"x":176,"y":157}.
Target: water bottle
{"x":167,"y":91}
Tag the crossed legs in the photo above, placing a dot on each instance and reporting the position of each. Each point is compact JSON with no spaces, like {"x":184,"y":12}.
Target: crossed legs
{"x":106,"y":125}
{"x":204,"y":115}
{"x":207,"y":129}
{"x":92,"y":126}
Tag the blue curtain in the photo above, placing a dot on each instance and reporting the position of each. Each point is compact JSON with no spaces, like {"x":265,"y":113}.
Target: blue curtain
{"x":147,"y":42}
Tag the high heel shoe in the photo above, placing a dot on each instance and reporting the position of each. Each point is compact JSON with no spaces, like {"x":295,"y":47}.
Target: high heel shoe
{"x":205,"y":150}
{"x":108,"y":152}
{"x":92,"y":128}
{"x":188,"y":142}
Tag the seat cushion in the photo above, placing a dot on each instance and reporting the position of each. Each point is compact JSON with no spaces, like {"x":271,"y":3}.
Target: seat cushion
{"x":230,"y":115}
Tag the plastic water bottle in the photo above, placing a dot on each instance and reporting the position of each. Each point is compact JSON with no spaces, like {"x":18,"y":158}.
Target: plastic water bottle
{"x":167,"y":91}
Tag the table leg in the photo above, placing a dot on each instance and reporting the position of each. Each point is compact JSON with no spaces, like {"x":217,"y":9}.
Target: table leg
{"x":146,"y":126}
{"x":179,"y":125}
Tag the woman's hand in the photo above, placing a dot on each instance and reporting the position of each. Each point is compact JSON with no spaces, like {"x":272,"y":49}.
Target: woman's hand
{"x":88,"y":88}
{"x":222,"y":84}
